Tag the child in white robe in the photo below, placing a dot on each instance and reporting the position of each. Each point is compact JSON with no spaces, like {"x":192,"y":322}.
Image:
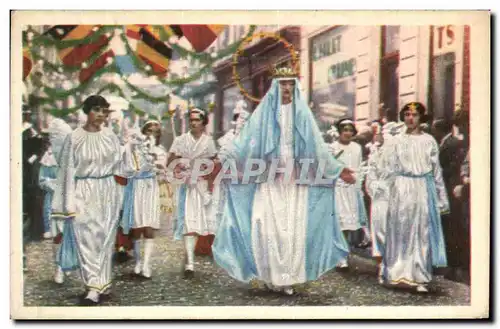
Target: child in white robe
{"x":141,"y":203}
{"x":349,"y":202}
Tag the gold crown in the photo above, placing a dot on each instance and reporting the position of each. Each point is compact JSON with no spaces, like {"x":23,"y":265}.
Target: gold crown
{"x":284,"y":72}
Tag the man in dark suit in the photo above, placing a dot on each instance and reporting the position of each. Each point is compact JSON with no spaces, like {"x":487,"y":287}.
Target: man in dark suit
{"x":462,"y":190}
{"x":33,"y":148}
{"x":451,"y":155}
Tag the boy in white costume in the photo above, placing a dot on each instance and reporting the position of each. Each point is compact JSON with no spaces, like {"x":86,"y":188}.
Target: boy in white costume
{"x":89,"y":200}
{"x":193,"y":213}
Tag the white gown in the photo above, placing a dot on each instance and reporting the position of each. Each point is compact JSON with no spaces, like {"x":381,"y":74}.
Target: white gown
{"x":347,"y":196}
{"x":406,"y":159}
{"x":378,"y":190}
{"x":198,"y":215}
{"x":146,"y":192}
{"x":279,"y":220}
{"x":88,"y":191}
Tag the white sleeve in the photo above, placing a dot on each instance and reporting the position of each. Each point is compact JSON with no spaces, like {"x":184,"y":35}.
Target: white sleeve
{"x":176,"y":147}
{"x":63,"y":202}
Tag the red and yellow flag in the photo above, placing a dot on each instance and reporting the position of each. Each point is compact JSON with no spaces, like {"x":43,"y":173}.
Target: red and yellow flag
{"x":76,"y":55}
{"x":199,"y":36}
{"x":150,"y":48}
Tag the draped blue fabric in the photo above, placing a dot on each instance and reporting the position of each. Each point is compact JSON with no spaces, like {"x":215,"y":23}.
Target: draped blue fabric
{"x":323,"y":227}
{"x":259,"y":139}
{"x":67,"y":258}
{"x":181,"y":212}
{"x":47,"y":174}
{"x":127,"y":220}
{"x":363,"y":217}
{"x":438,"y":247}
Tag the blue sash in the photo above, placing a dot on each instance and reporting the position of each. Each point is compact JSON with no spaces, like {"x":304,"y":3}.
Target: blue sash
{"x":67,"y":257}
{"x":181,"y":213}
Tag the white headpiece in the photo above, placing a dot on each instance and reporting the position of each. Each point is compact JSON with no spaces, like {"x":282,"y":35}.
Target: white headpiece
{"x":152,"y":121}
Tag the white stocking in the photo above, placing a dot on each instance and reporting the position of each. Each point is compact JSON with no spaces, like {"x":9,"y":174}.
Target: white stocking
{"x":189,"y":245}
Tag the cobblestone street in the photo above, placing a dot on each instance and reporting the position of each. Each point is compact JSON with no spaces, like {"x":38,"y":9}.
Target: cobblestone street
{"x":211,"y":286}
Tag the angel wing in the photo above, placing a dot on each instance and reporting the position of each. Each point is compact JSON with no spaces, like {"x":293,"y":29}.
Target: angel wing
{"x":58,"y":130}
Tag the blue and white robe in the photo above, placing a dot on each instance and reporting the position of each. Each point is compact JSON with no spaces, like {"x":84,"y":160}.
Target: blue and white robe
{"x":280,"y":232}
{"x":414,"y":241}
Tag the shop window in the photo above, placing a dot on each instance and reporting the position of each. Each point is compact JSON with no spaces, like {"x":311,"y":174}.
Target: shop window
{"x":391,"y":41}
{"x":260,"y":85}
{"x":333,"y":75}
{"x":389,"y":71}
{"x":443,"y":86}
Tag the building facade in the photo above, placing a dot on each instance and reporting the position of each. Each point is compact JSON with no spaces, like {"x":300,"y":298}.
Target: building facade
{"x":367,"y":72}
{"x":254,"y":68}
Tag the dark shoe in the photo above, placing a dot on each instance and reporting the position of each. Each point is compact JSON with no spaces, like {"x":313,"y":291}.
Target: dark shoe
{"x":122,"y":257}
{"x":188,"y":274}
{"x":89,"y":302}
{"x":105,"y":297}
{"x":451,"y":274}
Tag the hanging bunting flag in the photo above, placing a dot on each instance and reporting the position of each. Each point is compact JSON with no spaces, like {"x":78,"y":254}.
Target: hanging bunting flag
{"x":133,"y":31}
{"x":199,"y":36}
{"x":87,"y":72}
{"x":123,"y":59}
{"x":150,"y":48}
{"x":27,"y":63}
{"x":76,"y":55}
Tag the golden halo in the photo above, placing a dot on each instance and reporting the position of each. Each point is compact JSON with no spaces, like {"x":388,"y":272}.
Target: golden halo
{"x":240,"y":49}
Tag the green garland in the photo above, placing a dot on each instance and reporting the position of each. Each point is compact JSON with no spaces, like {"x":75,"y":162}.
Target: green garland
{"x":138,"y":63}
{"x":57,"y":94}
{"x":67,"y":68}
{"x":177,"y":83}
{"x":141,"y":94}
